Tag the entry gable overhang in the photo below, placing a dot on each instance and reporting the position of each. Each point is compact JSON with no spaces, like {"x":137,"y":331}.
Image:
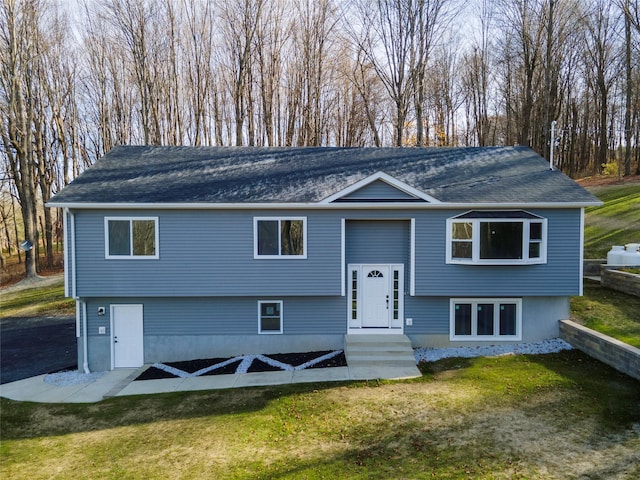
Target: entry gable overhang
{"x":407,"y":192}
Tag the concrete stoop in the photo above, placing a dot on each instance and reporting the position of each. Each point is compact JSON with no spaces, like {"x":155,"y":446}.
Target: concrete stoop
{"x":380,"y":356}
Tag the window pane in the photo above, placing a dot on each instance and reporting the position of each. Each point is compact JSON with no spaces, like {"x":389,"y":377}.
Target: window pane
{"x":461,"y":250}
{"x":485,"y":319}
{"x":463,"y":319}
{"x":144,"y":235}
{"x":507,"y":319}
{"x":119,"y":239}
{"x":292,"y":237}
{"x":270,"y":309}
{"x":461,"y":231}
{"x":535,"y":231}
{"x":268,"y":237}
{"x":501,"y":240}
{"x":534,"y":250}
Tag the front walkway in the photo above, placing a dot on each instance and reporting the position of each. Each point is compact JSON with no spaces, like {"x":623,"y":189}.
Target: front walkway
{"x":121,"y":382}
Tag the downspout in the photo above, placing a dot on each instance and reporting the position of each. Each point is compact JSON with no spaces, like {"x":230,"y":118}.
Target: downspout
{"x":85,"y":349}
{"x":70,"y":283}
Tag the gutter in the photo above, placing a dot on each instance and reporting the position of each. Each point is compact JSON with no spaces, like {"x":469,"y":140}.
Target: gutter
{"x":320,"y":206}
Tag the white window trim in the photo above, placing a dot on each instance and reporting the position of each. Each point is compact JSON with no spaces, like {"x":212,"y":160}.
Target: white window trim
{"x":279,"y":219}
{"x":474,"y":319}
{"x":129,"y":257}
{"x":475,"y":242}
{"x":270,"y":332}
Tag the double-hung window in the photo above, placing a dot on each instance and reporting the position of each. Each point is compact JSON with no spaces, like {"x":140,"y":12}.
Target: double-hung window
{"x":486,"y":319}
{"x":270,"y":316}
{"x":510,"y":237}
{"x":280,"y":237}
{"x":131,"y":237}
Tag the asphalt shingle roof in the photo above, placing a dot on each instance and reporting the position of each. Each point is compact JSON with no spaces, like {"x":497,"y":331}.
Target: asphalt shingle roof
{"x":155,"y":174}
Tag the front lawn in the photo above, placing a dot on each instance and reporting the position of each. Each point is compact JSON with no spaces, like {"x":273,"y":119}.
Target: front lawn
{"x":551,"y":416}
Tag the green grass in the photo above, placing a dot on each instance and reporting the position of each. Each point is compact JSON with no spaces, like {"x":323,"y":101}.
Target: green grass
{"x":553,"y":416}
{"x":34,"y":301}
{"x":617,"y":222}
{"x":610,"y":312}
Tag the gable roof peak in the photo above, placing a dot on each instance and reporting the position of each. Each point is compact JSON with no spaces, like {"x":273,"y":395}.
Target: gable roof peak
{"x":402,"y":187}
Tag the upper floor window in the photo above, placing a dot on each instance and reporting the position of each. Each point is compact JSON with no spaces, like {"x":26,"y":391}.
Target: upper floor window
{"x":280,"y":237}
{"x":497,"y":238}
{"x":131,"y":237}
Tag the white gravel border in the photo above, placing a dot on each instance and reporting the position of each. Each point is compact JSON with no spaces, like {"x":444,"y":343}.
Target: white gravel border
{"x":544,"y":346}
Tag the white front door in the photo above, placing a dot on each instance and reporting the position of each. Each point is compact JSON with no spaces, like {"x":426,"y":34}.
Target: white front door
{"x":127,"y":336}
{"x":375,"y":296}
{"x":376,"y":293}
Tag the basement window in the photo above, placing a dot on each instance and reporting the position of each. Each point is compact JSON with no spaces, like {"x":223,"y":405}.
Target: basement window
{"x":485,"y":319}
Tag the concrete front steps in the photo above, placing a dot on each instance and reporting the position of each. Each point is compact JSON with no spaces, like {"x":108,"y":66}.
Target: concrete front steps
{"x":371,"y":356}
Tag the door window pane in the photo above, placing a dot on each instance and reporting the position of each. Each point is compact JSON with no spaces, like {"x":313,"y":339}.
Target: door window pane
{"x":354,"y":295}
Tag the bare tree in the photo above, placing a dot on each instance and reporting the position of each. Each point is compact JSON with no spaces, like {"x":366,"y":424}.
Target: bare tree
{"x":239,"y":20}
{"x":385,"y":33}
{"x":523,"y":26}
{"x":19,"y":21}
{"x":476,"y":66}
{"x":430,"y":18}
{"x":602,"y":60}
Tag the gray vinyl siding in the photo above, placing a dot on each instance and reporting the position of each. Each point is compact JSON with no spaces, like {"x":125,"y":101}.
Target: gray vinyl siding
{"x":560,"y":276}
{"x":210,"y":253}
{"x":430,"y":315}
{"x":204,"y":253}
{"x":224,"y":316}
{"x":376,"y":241}
{"x":378,"y":190}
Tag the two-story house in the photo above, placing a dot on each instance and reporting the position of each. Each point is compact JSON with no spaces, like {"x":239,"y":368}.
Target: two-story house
{"x":177,"y":253}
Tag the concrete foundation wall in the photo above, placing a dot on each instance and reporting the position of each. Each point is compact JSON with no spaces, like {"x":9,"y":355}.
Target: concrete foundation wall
{"x":170,"y":349}
{"x":616,"y":354}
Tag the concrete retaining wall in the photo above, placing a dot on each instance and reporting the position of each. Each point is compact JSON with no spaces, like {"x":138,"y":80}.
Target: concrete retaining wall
{"x":617,"y":354}
{"x":622,"y":281}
